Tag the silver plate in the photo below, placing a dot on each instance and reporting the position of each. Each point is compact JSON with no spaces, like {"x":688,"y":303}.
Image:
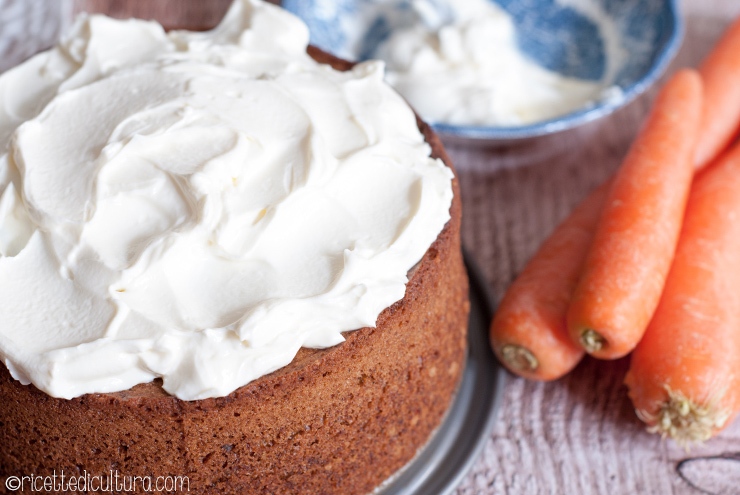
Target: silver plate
{"x":440,"y":467}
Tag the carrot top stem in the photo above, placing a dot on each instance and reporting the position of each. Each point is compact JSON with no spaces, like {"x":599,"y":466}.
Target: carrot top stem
{"x":519,"y":358}
{"x":592,"y":341}
{"x":684,"y":420}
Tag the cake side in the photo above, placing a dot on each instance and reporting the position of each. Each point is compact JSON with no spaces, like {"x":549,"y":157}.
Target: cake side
{"x":350,"y":419}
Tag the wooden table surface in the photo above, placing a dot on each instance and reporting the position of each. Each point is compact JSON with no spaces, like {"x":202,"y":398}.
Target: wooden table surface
{"x":578,"y":435}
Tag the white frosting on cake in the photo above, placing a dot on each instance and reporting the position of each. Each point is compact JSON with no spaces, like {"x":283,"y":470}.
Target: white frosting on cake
{"x":198,"y":206}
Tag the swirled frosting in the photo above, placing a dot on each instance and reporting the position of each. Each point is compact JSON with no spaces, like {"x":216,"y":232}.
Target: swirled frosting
{"x":198,"y":206}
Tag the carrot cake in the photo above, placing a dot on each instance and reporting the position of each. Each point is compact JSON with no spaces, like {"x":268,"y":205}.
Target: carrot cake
{"x":223,"y":257}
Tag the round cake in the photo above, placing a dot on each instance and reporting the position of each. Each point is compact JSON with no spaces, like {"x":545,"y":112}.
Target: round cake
{"x":335,"y":420}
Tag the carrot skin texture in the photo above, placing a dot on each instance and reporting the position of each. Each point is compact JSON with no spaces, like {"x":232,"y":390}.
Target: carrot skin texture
{"x":636,"y":236}
{"x":720,"y":72}
{"x":532,"y":313}
{"x":692,"y":345}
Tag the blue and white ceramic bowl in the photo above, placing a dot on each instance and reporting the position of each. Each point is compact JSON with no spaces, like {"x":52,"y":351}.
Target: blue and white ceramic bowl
{"x":551,"y":32}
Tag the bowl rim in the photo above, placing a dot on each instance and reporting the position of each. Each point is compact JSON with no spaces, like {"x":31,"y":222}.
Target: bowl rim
{"x":585,"y":114}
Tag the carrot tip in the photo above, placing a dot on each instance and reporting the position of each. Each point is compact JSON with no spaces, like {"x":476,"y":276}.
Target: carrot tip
{"x":592,"y":341}
{"x":519,"y":358}
{"x":684,"y":420}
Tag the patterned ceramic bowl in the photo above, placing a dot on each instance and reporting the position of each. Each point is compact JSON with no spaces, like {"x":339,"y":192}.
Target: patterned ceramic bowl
{"x":561,"y":35}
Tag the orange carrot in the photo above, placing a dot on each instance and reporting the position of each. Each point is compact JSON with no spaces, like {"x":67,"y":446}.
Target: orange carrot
{"x":720,"y":73}
{"x":528,"y":332}
{"x":684,"y":378}
{"x":636,"y":237}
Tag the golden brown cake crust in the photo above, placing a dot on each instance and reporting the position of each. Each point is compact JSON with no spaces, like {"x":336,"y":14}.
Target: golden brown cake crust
{"x":338,"y":420}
